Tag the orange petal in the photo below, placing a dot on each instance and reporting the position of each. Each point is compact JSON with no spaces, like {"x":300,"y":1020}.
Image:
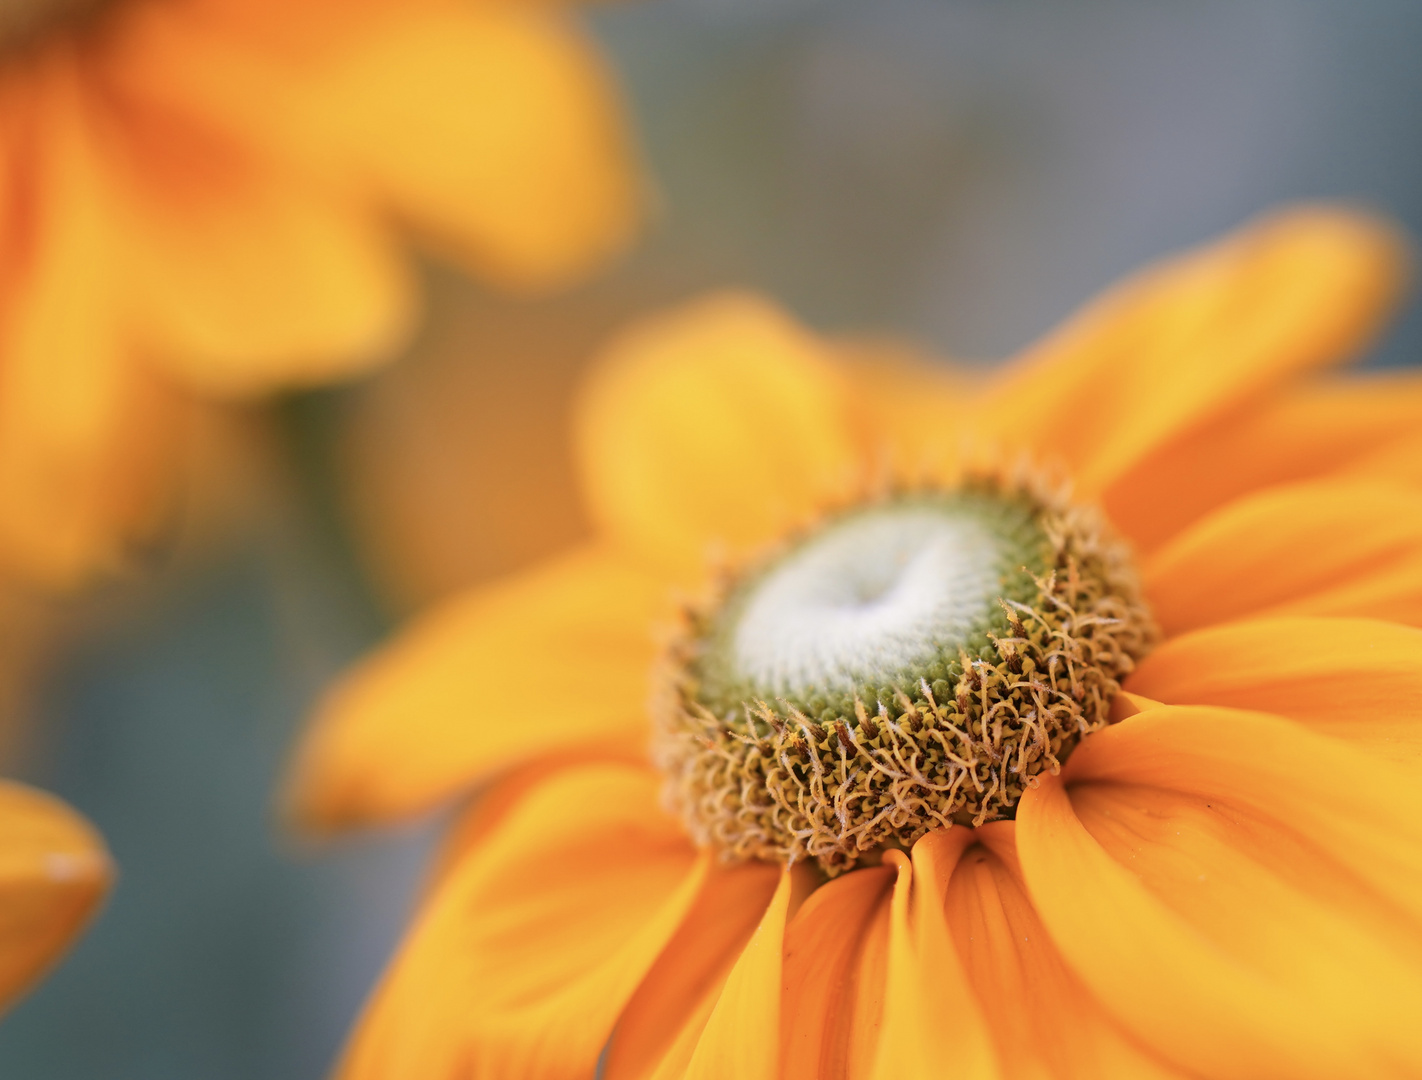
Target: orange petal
{"x":1355,"y":679}
{"x":1320,"y":548}
{"x":84,"y":433}
{"x":1398,"y":459}
{"x":930,"y":1015}
{"x":836,"y":951}
{"x":526,"y":954}
{"x":657,"y":1033}
{"x":1044,"y":1022}
{"x":741,"y":1037}
{"x":554,"y":660}
{"x":495,"y":129}
{"x":269,"y":27}
{"x":488,"y":808}
{"x":1190,"y":338}
{"x":53,"y":872}
{"x":1243,"y":895}
{"x":1321,"y":426}
{"x":719,"y":422}
{"x":1126,"y":704}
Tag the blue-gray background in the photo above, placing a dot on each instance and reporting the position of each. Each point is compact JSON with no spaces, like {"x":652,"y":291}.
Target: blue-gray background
{"x":964,"y":172}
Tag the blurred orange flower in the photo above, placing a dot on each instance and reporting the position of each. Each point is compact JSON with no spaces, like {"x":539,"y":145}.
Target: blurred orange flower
{"x":53,"y":872}
{"x":198,"y":197}
{"x":1226,"y":881}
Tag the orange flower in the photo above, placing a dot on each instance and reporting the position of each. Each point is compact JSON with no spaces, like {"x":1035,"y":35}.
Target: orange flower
{"x":53,"y":872}
{"x":199,"y":197}
{"x":1225,"y":881}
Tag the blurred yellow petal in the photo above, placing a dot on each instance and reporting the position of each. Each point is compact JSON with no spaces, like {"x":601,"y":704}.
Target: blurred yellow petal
{"x":522,"y":960}
{"x":1359,"y":680}
{"x":1188,"y":339}
{"x":1321,"y":426}
{"x":246,"y":271}
{"x":1321,"y":548}
{"x":217,"y":317}
{"x":1272,"y":874}
{"x":53,"y":873}
{"x":494,"y":129}
{"x":719,"y":422}
{"x":551,"y":661}
{"x":83,"y":434}
{"x":907,"y":406}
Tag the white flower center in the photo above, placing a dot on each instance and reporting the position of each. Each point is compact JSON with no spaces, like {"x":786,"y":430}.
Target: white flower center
{"x":871,"y":596}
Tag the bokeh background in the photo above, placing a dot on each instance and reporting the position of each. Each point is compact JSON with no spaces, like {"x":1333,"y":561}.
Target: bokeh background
{"x":959,"y":174}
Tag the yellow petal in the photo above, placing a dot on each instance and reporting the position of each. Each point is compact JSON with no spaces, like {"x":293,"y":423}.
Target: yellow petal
{"x":930,"y":1015}
{"x":554,"y":660}
{"x":526,"y":954}
{"x":1318,"y":427}
{"x":1187,"y":339}
{"x":84,"y":433}
{"x":741,"y":1037}
{"x":835,"y":960}
{"x":1243,"y":895}
{"x":53,"y":872}
{"x":720,"y":422}
{"x":495,"y":129}
{"x":1355,"y":679}
{"x":1325,"y":548}
{"x":658,"y":1031}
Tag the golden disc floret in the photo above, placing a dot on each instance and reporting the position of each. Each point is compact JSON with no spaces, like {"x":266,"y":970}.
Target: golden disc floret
{"x":909,"y":662}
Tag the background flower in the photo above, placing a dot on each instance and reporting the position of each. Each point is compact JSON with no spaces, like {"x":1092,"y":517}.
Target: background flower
{"x":203,"y":195}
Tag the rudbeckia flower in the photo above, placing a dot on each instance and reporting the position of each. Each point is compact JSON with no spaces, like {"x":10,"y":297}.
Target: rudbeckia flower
{"x":53,"y":873}
{"x":203,"y":196}
{"x":1056,"y":722}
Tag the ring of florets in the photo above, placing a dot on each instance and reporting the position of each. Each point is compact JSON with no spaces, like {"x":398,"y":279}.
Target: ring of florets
{"x":835,"y":773}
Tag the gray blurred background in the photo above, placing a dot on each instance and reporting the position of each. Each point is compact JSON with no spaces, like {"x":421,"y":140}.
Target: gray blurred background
{"x":965,"y":173}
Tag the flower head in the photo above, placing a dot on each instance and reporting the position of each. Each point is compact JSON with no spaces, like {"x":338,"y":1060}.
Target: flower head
{"x":201,"y":195}
{"x":913,"y":661}
{"x":965,"y":773}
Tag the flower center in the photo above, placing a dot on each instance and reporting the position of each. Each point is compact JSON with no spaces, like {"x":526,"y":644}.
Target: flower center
{"x":910,"y":663}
